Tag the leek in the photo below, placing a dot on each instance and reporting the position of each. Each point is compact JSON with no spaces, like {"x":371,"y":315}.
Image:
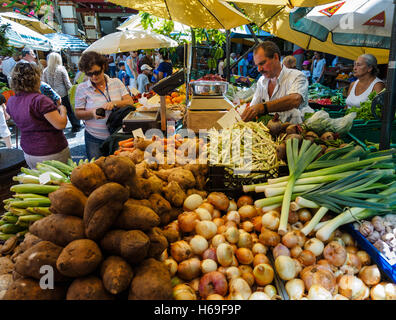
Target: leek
{"x":297,"y":160}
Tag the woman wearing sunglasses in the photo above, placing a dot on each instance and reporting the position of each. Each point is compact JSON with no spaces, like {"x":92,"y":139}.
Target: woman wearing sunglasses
{"x":99,"y":91}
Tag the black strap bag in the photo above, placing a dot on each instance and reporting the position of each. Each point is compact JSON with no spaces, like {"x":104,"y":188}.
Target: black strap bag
{"x":114,"y":122}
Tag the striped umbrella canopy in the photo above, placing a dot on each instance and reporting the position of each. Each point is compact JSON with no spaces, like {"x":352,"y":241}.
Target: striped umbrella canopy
{"x":20,"y":36}
{"x":66,"y":41}
{"x":28,"y":21}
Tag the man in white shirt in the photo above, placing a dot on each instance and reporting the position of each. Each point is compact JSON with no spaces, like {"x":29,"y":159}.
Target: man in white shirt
{"x":279,"y":90}
{"x":8,"y":65}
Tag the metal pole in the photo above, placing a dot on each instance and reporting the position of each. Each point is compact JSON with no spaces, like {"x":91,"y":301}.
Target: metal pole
{"x":228,"y":49}
{"x":390,"y":98}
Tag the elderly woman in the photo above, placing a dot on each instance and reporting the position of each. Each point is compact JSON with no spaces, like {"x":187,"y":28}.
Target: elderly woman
{"x":99,"y":91}
{"x":365,"y":70}
{"x":38,"y":118}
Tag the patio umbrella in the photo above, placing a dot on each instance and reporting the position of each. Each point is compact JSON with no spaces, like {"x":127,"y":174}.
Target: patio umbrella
{"x":134,"y":22}
{"x":66,"y":41}
{"x":20,"y":36}
{"x":361,"y":23}
{"x":275,"y":20}
{"x":28,"y":21}
{"x":290,"y":3}
{"x":130,"y":40}
{"x":209,"y":14}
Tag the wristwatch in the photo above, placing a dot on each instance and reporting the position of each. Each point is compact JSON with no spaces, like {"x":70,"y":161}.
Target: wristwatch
{"x":265,"y":108}
{"x":115,"y":105}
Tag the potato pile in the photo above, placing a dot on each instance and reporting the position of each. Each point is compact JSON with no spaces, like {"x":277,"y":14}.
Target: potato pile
{"x":103,"y":240}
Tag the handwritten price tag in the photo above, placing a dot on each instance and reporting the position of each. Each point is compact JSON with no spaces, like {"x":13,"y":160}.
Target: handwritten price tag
{"x":138,"y":133}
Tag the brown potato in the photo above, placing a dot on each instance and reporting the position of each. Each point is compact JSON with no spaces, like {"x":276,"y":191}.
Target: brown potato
{"x":59,"y":229}
{"x":102,"y":208}
{"x":183,"y":177}
{"x":87,"y":177}
{"x":79,"y":258}
{"x":202,"y":193}
{"x":117,"y":168}
{"x":6,"y":265}
{"x":152,"y":281}
{"x":29,"y":241}
{"x":143,"y":202}
{"x":28,"y":264}
{"x":136,"y":217}
{"x":159,"y":204}
{"x":116,"y":274}
{"x":156,"y":184}
{"x":158,"y":243}
{"x":88,"y":288}
{"x":139,"y":188}
{"x":68,"y":200}
{"x":174,"y":194}
{"x":29,"y":289}
{"x":111,"y":241}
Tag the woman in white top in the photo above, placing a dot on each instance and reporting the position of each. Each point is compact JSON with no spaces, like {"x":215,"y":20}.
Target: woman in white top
{"x":57,"y":77}
{"x":366,"y":70}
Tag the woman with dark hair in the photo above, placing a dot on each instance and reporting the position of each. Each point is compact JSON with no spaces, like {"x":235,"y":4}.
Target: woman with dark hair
{"x":365,"y":70}
{"x":318,"y":67}
{"x":165,"y":68}
{"x":99,"y":91}
{"x":38,"y":118}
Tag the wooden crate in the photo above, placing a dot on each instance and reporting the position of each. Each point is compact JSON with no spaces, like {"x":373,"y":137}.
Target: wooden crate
{"x":203,"y":119}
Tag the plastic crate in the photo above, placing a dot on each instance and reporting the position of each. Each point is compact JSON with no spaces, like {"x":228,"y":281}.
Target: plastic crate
{"x":330,"y":107}
{"x":369,"y":130}
{"x":376,"y":256}
{"x":336,"y":114}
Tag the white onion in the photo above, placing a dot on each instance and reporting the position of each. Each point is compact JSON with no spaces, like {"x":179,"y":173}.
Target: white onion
{"x":315,"y":246}
{"x":270,"y":220}
{"x":225,"y":254}
{"x":258,"y":295}
{"x":270,"y":290}
{"x":207,"y":229}
{"x":245,"y":240}
{"x":370,"y":275}
{"x":352,"y":287}
{"x":192,"y":202}
{"x":238,"y":286}
{"x":232,"y":235}
{"x":208,"y":265}
{"x":183,"y":292}
{"x":217,"y":239}
{"x":286,"y":267}
{"x":295,"y":289}
{"x":203,"y":214}
{"x":232,"y":206}
{"x":233,"y":272}
{"x":383,"y":291}
{"x":339,"y":297}
{"x":171,"y":264}
{"x":348,"y":240}
{"x":199,"y":244}
{"x":233,"y":216}
{"x":317,"y":292}
{"x":259,"y":248}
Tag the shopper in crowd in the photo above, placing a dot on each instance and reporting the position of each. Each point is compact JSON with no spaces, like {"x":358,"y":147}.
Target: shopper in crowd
{"x":318,"y":67}
{"x":9,"y":63}
{"x":39,"y":120}
{"x":220,"y":67}
{"x":165,"y":68}
{"x":122,"y":75}
{"x":306,"y":70}
{"x":57,"y":77}
{"x":112,"y":65}
{"x":43,"y":63}
{"x":5,"y":133}
{"x":145,"y":59}
{"x":131,"y":67}
{"x":243,"y":67}
{"x":366,"y":71}
{"x":143,"y":82}
{"x":290,"y":62}
{"x":3,"y":77}
{"x":100,"y":91}
{"x":279,"y":89}
{"x":28,"y":55}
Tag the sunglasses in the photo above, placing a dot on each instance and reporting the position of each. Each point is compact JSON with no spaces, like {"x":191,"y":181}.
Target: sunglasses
{"x":94,"y":73}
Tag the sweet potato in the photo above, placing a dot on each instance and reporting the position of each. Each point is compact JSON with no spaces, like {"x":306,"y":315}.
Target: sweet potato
{"x":5,"y":282}
{"x":132,"y":245}
{"x":143,"y":202}
{"x":117,"y":168}
{"x":174,"y":194}
{"x":136,"y":217}
{"x":159,"y":204}
{"x":29,"y":241}
{"x":87,"y":177}
{"x":79,"y":258}
{"x":116,"y":274}
{"x":6,"y":265}
{"x":88,"y":288}
{"x":102,"y":208}
{"x":141,"y":143}
{"x":151,"y":282}
{"x":158,"y":243}
{"x":183,"y":177}
{"x":29,"y":289}
{"x":28,"y":264}
{"x":137,"y":156}
{"x":59,"y":229}
{"x":141,"y":169}
{"x":68,"y":200}
{"x":165,"y":218}
{"x":139,"y":188}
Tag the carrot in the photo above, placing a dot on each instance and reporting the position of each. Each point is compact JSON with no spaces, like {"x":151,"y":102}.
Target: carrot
{"x":127,"y":149}
{"x":123,"y":142}
{"x":127,"y":145}
{"x":117,"y":152}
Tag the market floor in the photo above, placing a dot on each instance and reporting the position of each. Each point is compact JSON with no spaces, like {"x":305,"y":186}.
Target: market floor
{"x":75,"y":140}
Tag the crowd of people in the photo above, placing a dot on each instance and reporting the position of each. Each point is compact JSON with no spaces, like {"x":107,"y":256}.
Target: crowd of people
{"x":45,"y":97}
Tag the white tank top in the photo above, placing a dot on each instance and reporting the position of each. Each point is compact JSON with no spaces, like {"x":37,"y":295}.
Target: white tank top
{"x":353,"y":100}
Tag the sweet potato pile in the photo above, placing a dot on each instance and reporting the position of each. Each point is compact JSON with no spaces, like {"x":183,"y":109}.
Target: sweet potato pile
{"x":103,"y":240}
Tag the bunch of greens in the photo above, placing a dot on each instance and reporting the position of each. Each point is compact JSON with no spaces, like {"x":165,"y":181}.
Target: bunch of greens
{"x":364,"y":111}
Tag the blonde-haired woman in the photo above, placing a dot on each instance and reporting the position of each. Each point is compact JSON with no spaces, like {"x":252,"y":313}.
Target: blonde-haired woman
{"x":56,"y":76}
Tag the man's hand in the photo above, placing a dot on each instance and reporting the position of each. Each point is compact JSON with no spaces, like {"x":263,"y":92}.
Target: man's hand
{"x":108,"y":106}
{"x":252,"y":112}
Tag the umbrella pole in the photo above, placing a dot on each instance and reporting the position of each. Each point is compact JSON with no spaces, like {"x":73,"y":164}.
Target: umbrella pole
{"x":228,"y":49}
{"x":163,"y":113}
{"x":390,"y":98}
